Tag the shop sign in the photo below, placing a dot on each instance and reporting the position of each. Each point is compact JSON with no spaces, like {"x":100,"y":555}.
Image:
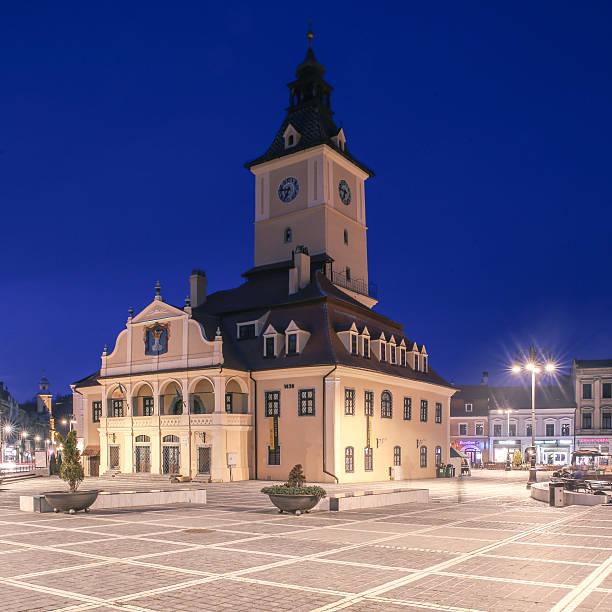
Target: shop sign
{"x":594,"y":440}
{"x":507,"y":442}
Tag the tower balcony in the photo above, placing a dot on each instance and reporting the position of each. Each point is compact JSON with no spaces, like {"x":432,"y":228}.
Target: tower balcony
{"x":356,"y":285}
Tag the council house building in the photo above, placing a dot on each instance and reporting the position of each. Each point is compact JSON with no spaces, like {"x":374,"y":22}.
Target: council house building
{"x":292,"y":366}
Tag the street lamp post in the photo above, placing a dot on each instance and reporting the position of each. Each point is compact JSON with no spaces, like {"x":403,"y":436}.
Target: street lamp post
{"x":535,"y":361}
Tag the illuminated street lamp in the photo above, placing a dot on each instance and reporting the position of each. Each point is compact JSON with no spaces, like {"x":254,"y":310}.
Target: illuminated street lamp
{"x":533,"y":360}
{"x":4,"y":432}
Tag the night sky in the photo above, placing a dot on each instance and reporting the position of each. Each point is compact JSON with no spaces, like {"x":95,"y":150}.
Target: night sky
{"x":124,"y":128}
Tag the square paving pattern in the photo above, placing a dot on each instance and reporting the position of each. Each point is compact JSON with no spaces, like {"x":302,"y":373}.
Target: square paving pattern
{"x":481,"y":544}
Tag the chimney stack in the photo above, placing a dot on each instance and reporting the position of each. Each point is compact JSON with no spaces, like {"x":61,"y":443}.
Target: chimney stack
{"x":299,"y":275}
{"x":197,"y":284}
{"x":485,"y":378}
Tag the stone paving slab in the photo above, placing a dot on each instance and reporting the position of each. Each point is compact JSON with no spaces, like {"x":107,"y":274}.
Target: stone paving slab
{"x":480,"y":544}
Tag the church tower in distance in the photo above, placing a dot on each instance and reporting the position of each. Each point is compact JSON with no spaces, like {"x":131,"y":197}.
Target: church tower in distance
{"x":309,"y":190}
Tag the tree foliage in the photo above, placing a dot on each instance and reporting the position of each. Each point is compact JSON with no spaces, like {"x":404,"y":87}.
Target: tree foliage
{"x":517,"y":459}
{"x":71,"y":469}
{"x":296,"y":476}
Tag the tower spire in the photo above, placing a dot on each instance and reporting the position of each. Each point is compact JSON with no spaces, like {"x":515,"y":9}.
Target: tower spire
{"x":310,"y":35}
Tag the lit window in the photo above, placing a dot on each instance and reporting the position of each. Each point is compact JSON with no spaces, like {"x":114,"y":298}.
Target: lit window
{"x":423,"y":455}
{"x":438,"y":456}
{"x":368,"y":459}
{"x":368,"y":403}
{"x":272,"y":403}
{"x":407,"y":409}
{"x":565,"y":429}
{"x":438,"y":412}
{"x":386,"y":405}
{"x":349,"y":459}
{"x":424,"y":406}
{"x":397,"y":456}
{"x":306,"y":402}
{"x":229,"y":403}
{"x":349,"y":401}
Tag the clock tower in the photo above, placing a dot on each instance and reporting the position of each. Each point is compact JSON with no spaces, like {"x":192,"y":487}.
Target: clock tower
{"x":309,"y":189}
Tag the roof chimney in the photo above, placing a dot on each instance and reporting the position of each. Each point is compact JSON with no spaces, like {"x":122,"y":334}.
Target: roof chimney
{"x":485,"y":378}
{"x":299,"y":275}
{"x":197,"y":284}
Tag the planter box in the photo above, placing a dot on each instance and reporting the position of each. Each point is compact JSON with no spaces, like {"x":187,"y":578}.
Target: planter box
{"x":294,"y":503}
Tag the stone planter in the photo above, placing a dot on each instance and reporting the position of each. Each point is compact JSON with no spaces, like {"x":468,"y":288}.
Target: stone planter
{"x":62,"y":501}
{"x":294,"y":503}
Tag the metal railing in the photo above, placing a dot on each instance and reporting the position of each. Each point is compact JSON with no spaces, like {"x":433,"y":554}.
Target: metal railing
{"x":357,"y":285}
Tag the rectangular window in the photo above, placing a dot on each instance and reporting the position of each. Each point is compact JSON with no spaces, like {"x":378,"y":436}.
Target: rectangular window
{"x":272,"y":404}
{"x":96,"y":411}
{"x":423,"y":411}
{"x":438,"y":412}
{"x":479,"y":429}
{"x":416,"y":362}
{"x":292,"y":344}
{"x":423,"y":454}
{"x":512,"y":430}
{"x":366,"y":348}
{"x":528,"y":429}
{"x":269,"y":347}
{"x":550,"y":429}
{"x":438,"y":456}
{"x":407,"y":409}
{"x":354,"y":350}
{"x":147,"y":406}
{"x":368,"y":403}
{"x":349,"y":459}
{"x":397,"y":456}
{"x":349,"y":401}
{"x":606,"y":420}
{"x":497,"y":430}
{"x":274,"y":457}
{"x":463,"y":429}
{"x":424,"y":364}
{"x":606,"y":390}
{"x":117,"y":407}
{"x":229,"y":403}
{"x":306,"y":402}
{"x":368,"y":459}
{"x":587,"y":420}
{"x":565,"y":429}
{"x":587,"y":391}
{"x":469,"y":407}
{"x":392,"y":353}
{"x":246,"y":331}
{"x":383,"y":351}
{"x":403,"y":357}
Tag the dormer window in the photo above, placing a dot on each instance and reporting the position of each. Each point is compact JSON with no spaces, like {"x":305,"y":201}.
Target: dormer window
{"x":383,"y":351}
{"x":269,"y":347}
{"x":246,"y":331}
{"x":291,"y":344}
{"x":354,"y":350}
{"x":424,"y":364}
{"x":288,"y":235}
{"x":392,"y":353}
{"x":469,"y":407}
{"x":403,"y":357}
{"x":416,"y":362}
{"x":366,"y":348}
{"x":291,"y":136}
{"x":340,"y":139}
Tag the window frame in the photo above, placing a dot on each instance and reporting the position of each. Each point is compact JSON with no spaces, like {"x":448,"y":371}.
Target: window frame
{"x":96,"y":409}
{"x":305,"y":400}
{"x":479,"y":424}
{"x":465,"y":433}
{"x":386,"y":408}
{"x":546,"y":428}
{"x":150,"y":403}
{"x":569,"y":429}
{"x":607,"y":414}
{"x":368,"y":459}
{"x":274,"y":454}
{"x":471,"y":407}
{"x":368,"y":403}
{"x":292,"y":343}
{"x":366,"y":347}
{"x":407,"y":409}
{"x":438,"y":456}
{"x":397,"y":456}
{"x":586,"y":396}
{"x":247,"y":336}
{"x":349,"y":459}
{"x":608,"y":386}
{"x":424,"y":410}
{"x":349,"y":401}
{"x":354,"y":344}
{"x":423,"y":456}
{"x":269,"y":340}
{"x":497,"y":427}
{"x":438,"y":416}
{"x":269,"y":401}
{"x":584,"y":420}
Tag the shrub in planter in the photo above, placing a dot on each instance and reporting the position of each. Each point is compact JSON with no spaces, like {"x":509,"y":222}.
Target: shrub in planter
{"x":293,"y":496}
{"x":71,"y":470}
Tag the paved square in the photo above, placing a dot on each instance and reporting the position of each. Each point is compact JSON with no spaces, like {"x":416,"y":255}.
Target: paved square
{"x":481,"y":544}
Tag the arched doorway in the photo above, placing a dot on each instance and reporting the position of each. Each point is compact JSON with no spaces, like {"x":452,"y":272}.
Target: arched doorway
{"x":171,"y":455}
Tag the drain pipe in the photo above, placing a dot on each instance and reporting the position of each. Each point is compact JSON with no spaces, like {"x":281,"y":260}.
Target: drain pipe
{"x":255,"y":418}
{"x":324,"y":413}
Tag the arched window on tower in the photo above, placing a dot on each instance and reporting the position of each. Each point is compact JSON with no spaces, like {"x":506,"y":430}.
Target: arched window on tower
{"x":289,"y":231}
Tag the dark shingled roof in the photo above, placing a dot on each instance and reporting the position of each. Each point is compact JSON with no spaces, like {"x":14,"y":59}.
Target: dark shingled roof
{"x":477,"y":395}
{"x":310,"y":114}
{"x":88,"y":381}
{"x":559,"y":395}
{"x":593,"y":363}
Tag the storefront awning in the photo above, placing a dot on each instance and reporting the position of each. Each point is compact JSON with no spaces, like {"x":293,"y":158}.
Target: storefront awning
{"x":457,"y":453}
{"x":90,"y":451}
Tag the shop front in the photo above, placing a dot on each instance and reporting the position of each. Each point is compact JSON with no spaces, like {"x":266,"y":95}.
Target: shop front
{"x":601,"y":444}
{"x":503,"y":450}
{"x":476,"y":450}
{"x":554,"y":452}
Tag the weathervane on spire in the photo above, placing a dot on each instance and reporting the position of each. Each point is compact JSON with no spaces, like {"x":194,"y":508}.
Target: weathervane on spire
{"x":310,"y":35}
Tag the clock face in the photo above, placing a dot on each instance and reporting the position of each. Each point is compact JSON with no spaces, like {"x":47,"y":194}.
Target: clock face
{"x":288,"y":189}
{"x":345,"y":192}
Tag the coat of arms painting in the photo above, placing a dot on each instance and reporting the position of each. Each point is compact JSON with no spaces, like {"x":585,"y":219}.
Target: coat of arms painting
{"x":156,"y":340}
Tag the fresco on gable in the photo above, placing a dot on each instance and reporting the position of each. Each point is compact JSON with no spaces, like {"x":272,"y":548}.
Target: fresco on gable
{"x":156,"y":339}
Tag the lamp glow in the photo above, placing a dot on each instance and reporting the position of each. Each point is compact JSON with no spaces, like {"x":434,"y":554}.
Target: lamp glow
{"x":550,"y":367}
{"x":516,"y":368}
{"x":8,"y":428}
{"x":530,"y":366}
{"x":24,"y":434}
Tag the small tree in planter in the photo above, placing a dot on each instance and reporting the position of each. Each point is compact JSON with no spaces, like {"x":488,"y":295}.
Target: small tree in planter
{"x":71,"y":469}
{"x":72,"y":472}
{"x":517,"y":459}
{"x":293,"y":496}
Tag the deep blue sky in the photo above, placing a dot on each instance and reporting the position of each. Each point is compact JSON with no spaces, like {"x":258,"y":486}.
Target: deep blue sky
{"x":124,"y":128}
